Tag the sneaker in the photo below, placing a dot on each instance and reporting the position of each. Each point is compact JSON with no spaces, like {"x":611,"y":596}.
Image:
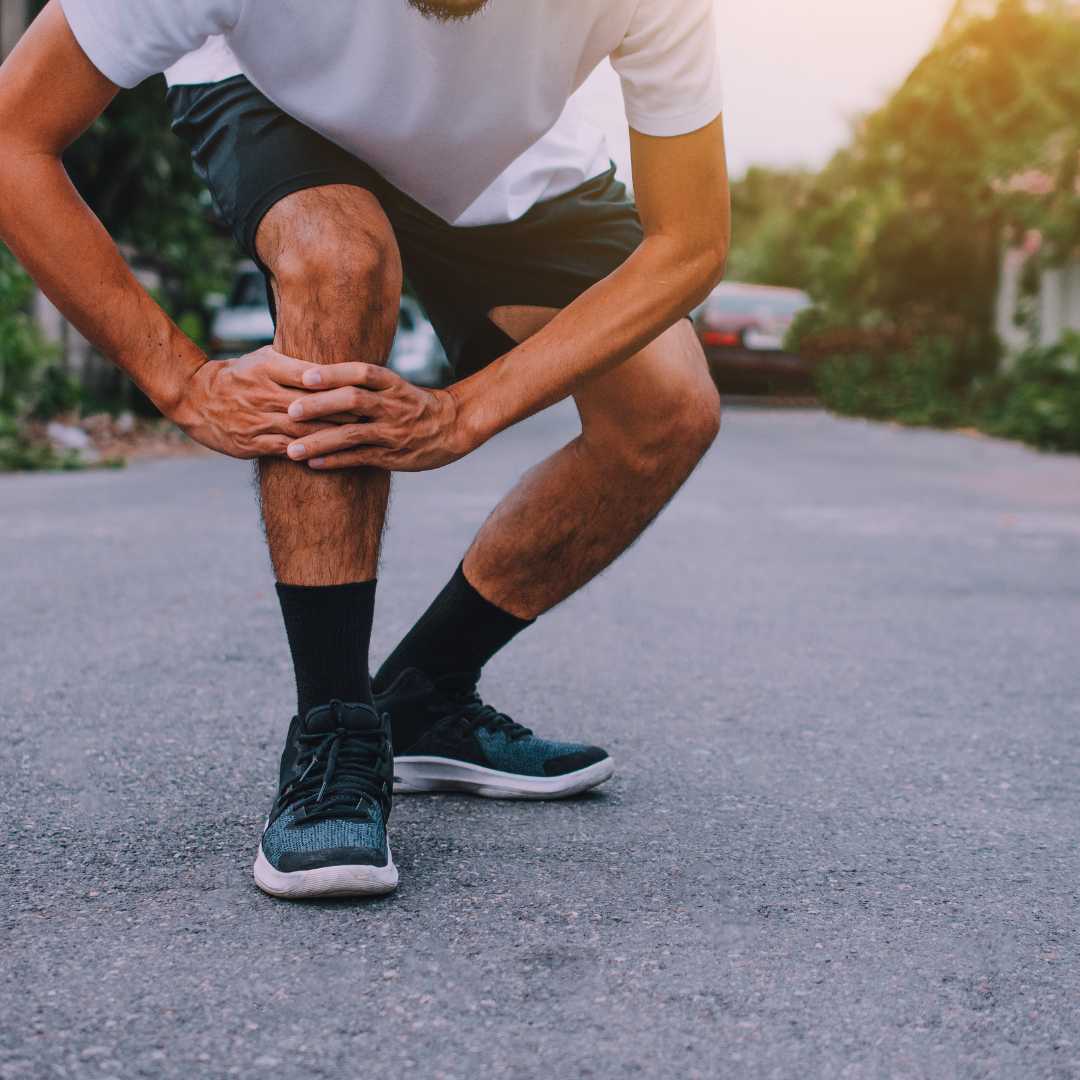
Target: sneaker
{"x":447,"y":739}
{"x":326,"y":834}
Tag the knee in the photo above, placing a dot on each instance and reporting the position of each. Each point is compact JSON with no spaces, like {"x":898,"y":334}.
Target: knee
{"x":684,"y":425}
{"x":698,"y":418}
{"x":339,"y":265}
{"x":345,"y":265}
{"x":332,"y":249}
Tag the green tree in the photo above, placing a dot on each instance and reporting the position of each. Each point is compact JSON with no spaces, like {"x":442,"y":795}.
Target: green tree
{"x":137,"y":177}
{"x":906,"y":225}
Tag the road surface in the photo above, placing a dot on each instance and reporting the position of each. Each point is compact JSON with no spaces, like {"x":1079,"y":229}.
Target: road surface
{"x":839,"y":678}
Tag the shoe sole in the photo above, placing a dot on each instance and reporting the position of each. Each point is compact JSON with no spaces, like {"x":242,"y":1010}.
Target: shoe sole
{"x":358,"y":880}
{"x":416,"y":774}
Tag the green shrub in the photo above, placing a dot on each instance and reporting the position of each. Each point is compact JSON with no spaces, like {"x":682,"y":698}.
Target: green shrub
{"x":31,"y":385}
{"x":1037,"y":400}
{"x":21,"y":351}
{"x":917,"y":386}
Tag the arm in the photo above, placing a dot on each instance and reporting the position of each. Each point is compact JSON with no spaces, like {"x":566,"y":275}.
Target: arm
{"x":682,"y":193}
{"x":49,"y":94}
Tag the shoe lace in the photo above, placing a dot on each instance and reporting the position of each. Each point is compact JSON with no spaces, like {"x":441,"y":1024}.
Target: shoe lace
{"x":340,"y":776}
{"x":470,"y":713}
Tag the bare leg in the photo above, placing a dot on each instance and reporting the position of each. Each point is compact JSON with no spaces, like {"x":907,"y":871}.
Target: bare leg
{"x":337,"y":283}
{"x":645,"y":426}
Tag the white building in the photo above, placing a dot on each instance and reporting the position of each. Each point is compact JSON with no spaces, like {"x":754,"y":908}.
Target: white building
{"x":1040,"y":318}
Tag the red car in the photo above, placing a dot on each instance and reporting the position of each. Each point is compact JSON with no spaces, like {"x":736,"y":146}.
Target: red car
{"x":742,"y":329}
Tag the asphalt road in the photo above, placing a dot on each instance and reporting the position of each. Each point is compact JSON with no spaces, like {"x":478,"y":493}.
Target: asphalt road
{"x":840,"y":680}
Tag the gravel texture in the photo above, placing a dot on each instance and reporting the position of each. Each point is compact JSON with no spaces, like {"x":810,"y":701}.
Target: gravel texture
{"x":840,"y":680}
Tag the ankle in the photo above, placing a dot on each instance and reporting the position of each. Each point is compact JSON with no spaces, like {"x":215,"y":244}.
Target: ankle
{"x":458,"y":633}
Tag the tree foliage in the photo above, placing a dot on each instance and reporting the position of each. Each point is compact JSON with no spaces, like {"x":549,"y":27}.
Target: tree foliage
{"x":29,"y":384}
{"x":137,"y":177}
{"x":906,"y":225}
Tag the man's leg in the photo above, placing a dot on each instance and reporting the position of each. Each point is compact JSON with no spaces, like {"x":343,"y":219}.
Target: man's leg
{"x":645,"y":426}
{"x":336,"y":275}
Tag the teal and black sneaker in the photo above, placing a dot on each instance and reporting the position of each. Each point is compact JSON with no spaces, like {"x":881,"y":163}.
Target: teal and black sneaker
{"x":326,"y":834}
{"x":447,"y":739}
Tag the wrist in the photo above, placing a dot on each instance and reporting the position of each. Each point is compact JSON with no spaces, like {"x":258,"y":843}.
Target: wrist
{"x":168,"y":383}
{"x":473,"y":422}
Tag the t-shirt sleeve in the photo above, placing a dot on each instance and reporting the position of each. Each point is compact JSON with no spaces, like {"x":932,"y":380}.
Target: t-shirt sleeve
{"x":669,"y":64}
{"x":130,"y":40}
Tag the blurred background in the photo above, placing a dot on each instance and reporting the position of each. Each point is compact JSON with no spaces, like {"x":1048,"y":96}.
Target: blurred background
{"x":838,"y":673}
{"x":907,"y":232}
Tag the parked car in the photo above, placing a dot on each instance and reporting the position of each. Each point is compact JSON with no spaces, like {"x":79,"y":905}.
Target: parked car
{"x":242,"y":323}
{"x":742,"y":329}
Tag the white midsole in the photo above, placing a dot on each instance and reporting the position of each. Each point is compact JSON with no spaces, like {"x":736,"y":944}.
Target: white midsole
{"x":416,"y":773}
{"x":358,"y":880}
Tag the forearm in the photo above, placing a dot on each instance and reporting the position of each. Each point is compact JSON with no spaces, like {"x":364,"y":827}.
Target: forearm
{"x":613,"y":320}
{"x":68,"y":252}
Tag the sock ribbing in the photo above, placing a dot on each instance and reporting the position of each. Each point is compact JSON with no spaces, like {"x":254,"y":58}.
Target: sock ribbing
{"x":329,"y":632}
{"x":460,"y":632}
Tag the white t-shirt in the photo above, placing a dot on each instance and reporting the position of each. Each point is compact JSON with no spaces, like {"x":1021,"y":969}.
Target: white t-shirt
{"x":475,"y":120}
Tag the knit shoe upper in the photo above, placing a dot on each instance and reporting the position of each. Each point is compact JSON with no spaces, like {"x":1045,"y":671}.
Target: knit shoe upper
{"x":447,"y":719}
{"x":335,"y":791}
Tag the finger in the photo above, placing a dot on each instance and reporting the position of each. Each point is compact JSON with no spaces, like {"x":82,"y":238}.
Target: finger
{"x":279,"y":423}
{"x":270,"y":446}
{"x":348,"y":399}
{"x":296,"y":430}
{"x":287,"y":370}
{"x":331,"y":376}
{"x":332,"y":439}
{"x":378,"y":457}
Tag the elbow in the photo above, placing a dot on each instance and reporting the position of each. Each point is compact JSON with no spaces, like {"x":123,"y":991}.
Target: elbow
{"x":709,"y":264}
{"x":717,"y":247}
{"x":692,"y":265}
{"x":717,"y":262}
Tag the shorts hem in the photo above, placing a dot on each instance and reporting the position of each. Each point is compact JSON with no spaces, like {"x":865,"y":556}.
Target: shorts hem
{"x":250,"y":220}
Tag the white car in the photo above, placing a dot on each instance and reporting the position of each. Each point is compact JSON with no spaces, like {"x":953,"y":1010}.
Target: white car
{"x":242,"y":323}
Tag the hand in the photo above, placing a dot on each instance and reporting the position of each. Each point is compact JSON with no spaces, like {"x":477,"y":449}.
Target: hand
{"x":240,"y":407}
{"x":379,"y":420}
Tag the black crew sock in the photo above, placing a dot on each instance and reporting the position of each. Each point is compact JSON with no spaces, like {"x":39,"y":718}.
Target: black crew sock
{"x":459,"y":633}
{"x":329,"y":631}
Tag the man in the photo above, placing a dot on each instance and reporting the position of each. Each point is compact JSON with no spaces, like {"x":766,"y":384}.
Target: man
{"x":348,"y":142}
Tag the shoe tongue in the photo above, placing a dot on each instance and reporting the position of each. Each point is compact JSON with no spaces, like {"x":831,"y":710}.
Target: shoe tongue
{"x":338,"y":714}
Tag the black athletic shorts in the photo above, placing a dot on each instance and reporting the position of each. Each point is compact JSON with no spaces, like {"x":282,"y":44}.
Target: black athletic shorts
{"x":251,"y":155}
